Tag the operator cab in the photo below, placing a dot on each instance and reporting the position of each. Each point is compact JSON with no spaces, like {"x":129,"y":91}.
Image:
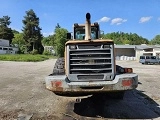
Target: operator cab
{"x":79,"y":31}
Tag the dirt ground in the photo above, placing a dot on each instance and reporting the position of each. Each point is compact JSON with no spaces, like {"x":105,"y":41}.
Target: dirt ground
{"x":23,"y":95}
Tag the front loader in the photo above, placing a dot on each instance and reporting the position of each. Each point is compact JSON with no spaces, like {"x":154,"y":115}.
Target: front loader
{"x":89,"y":65}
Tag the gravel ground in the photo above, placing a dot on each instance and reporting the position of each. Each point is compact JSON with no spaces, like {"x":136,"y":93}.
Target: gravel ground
{"x":23,"y":95}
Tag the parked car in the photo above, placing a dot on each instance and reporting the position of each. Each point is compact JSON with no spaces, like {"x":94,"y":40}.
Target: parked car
{"x":158,"y":60}
{"x":149,"y":60}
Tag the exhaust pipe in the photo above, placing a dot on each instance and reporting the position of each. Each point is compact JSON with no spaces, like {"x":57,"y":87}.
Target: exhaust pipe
{"x":88,"y":27}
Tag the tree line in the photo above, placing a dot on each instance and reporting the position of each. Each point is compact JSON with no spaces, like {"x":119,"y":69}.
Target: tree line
{"x":31,"y":40}
{"x":126,"y":38}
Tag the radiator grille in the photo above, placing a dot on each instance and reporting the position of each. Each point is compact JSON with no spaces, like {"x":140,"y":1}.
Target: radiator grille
{"x":90,"y":62}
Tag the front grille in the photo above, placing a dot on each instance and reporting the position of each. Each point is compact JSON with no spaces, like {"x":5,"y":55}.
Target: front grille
{"x":91,"y":62}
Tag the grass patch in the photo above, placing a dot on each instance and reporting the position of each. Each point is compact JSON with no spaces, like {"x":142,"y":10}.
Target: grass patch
{"x":25,"y":57}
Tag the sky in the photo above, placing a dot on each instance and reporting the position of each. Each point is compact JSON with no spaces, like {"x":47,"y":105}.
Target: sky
{"x":130,"y":16}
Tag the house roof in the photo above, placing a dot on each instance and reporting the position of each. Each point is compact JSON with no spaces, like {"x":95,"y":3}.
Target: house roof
{"x":125,"y":46}
{"x":155,"y":46}
{"x":139,"y":47}
{"x":142,"y":47}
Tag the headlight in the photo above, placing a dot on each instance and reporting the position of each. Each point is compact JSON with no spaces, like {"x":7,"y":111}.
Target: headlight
{"x":72,"y":47}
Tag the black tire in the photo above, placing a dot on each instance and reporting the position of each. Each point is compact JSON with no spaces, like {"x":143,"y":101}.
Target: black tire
{"x":59,"y":67}
{"x":146,"y":63}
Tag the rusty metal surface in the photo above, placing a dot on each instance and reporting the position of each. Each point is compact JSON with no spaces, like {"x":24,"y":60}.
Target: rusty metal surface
{"x":100,"y":86}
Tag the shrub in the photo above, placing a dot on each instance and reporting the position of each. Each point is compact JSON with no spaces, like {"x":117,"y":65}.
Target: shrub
{"x":47,"y":52}
{"x":34,"y":52}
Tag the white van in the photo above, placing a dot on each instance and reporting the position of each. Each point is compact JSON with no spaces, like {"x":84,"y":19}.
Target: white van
{"x":148,"y":60}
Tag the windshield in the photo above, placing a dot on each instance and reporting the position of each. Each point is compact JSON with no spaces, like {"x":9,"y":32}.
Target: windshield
{"x":80,"y":33}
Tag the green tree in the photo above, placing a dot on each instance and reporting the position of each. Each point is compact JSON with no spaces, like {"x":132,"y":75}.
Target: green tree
{"x":60,"y":40}
{"x":32,"y":32}
{"x":5,"y":31}
{"x":48,"y":41}
{"x":18,"y":40}
{"x":155,"y":40}
{"x":57,"y":27}
{"x":126,"y":38}
{"x":15,"y":32}
{"x":125,"y":41}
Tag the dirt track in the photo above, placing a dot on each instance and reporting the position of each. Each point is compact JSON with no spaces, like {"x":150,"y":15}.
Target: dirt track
{"x":23,"y":94}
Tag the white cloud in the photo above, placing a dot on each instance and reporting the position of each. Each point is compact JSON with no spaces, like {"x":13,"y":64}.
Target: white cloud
{"x":118,"y":21}
{"x":145,"y":19}
{"x":159,"y":19}
{"x":104,"y":19}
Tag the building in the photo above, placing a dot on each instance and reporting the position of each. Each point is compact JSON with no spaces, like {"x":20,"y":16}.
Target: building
{"x":5,"y":48}
{"x":133,"y":52}
{"x":125,"y":52}
{"x":153,"y":50}
{"x":49,"y":49}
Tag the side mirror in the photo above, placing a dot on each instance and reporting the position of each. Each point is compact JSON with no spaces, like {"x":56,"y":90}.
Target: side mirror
{"x":69,"y":36}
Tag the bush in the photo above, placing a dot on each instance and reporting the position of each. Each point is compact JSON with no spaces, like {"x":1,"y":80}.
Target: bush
{"x":47,"y":53}
{"x":34,"y":52}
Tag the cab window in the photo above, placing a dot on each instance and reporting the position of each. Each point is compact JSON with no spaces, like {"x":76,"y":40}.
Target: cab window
{"x":79,"y":33}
